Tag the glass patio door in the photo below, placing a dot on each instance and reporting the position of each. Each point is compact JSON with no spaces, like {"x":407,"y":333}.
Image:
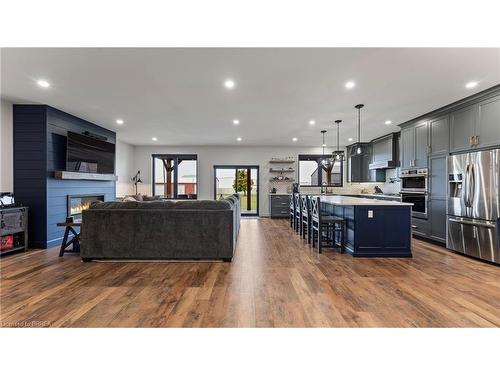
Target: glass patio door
{"x":242,"y":180}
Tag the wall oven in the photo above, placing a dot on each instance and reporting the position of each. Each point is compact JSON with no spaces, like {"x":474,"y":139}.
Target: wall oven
{"x":419,"y":200}
{"x":414,"y":180}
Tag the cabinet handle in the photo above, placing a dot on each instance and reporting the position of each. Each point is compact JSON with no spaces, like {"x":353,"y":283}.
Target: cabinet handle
{"x":476,"y":139}
{"x":471,"y":142}
{"x":429,"y":149}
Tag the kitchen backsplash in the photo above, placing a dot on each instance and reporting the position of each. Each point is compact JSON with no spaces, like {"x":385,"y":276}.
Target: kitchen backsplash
{"x":362,"y":187}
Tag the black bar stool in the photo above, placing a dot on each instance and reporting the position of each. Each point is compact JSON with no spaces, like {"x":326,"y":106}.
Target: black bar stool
{"x":297,"y":215}
{"x":305,"y":207}
{"x":292,"y":211}
{"x":325,"y":228}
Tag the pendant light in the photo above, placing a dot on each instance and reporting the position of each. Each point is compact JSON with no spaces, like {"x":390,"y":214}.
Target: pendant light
{"x":360,"y":148}
{"x":325,"y":161}
{"x":338,"y":155}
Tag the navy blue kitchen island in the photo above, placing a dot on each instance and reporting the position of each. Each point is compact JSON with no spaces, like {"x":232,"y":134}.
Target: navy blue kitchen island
{"x":375,"y":228}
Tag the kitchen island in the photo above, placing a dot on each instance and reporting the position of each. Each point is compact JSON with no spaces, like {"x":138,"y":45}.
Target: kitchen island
{"x":375,"y":228}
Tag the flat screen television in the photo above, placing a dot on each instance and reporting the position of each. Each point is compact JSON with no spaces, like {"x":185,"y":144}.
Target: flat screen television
{"x":89,"y":155}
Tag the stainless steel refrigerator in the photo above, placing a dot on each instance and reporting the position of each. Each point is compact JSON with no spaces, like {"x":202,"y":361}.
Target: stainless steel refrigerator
{"x":474,"y":204}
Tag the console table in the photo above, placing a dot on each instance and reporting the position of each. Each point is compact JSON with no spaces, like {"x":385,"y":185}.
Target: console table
{"x":75,"y":241}
{"x":14,"y":228}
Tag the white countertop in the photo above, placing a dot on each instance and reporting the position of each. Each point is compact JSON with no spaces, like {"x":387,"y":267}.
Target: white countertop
{"x":392,"y":196}
{"x":339,"y":200}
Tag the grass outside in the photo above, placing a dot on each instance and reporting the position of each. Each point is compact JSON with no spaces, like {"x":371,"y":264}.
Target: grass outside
{"x":243,"y":199}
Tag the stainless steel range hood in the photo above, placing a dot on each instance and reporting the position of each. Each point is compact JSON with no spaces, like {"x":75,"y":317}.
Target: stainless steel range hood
{"x":385,"y":152}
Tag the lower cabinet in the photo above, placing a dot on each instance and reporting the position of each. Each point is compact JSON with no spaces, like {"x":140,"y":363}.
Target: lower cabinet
{"x":437,"y":222}
{"x":278,"y":205}
{"x":419,"y":226}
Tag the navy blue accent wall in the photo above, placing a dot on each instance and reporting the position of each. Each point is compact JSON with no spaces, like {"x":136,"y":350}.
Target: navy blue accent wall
{"x":51,"y":202}
{"x":30,"y":161}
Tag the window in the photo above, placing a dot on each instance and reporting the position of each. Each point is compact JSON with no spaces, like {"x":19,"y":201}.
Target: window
{"x":313,"y":171}
{"x":175,"y":176}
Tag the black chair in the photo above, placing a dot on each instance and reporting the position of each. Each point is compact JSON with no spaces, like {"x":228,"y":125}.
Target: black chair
{"x":325,"y":228}
{"x":292,"y":211}
{"x":297,"y":213}
{"x":305,"y":207}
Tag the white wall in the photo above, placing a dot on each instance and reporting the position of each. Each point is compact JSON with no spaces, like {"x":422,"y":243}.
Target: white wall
{"x":208,"y":156}
{"x":125,"y":168}
{"x":6,"y":147}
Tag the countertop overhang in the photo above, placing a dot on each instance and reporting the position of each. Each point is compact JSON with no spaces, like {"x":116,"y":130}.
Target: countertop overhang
{"x":340,"y":200}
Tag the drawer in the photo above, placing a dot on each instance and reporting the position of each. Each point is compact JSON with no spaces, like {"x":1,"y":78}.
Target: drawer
{"x":279,"y":204}
{"x":419,"y":226}
{"x":279,"y":198}
{"x":280,"y":212}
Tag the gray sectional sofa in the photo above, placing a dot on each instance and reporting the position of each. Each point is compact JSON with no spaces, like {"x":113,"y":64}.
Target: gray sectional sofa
{"x":161,"y":230}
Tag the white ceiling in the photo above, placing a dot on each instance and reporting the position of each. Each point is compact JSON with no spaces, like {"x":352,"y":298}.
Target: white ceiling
{"x":177,"y":95}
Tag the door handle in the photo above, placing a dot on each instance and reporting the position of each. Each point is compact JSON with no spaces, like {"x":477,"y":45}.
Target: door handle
{"x":467,"y":222}
{"x":472,"y":185}
{"x":465,"y":195}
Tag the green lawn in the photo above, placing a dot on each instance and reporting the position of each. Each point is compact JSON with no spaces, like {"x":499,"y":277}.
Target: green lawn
{"x":253,"y":201}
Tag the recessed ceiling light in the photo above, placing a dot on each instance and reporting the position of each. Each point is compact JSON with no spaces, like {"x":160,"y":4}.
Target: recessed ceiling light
{"x":349,"y":139}
{"x":294,"y":139}
{"x":350,"y":84}
{"x":154,"y":139}
{"x":312,"y":122}
{"x":388,"y":122}
{"x":471,"y":84}
{"x":43,"y":83}
{"x":119,"y":121}
{"x":229,"y":83}
{"x":236,"y":121}
{"x":239,"y":139}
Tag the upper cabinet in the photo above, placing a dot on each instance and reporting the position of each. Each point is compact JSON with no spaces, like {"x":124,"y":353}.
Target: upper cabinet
{"x":439,"y":131}
{"x":462,"y":126}
{"x":414,"y":145}
{"x":476,"y":126}
{"x":488,"y":123}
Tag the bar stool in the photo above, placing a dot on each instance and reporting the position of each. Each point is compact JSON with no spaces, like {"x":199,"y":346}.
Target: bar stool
{"x":325,"y":228}
{"x":292,"y":211}
{"x":297,"y":215}
{"x":305,"y":207}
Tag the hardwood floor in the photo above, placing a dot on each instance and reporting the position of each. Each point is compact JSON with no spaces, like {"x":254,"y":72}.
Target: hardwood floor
{"x":275,"y":280}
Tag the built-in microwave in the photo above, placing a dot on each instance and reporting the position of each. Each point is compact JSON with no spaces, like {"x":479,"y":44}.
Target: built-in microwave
{"x":414,"y":180}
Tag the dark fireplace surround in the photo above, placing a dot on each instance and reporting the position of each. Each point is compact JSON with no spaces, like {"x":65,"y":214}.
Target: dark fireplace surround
{"x":78,"y":203}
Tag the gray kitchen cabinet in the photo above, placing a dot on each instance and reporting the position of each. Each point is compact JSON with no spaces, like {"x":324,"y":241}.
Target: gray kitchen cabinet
{"x":439,"y":135}
{"x":488,"y":123}
{"x":437,"y":219}
{"x":438,"y":176}
{"x":421,"y":145}
{"x":407,"y":150}
{"x":437,"y":197}
{"x":279,"y":205}
{"x":476,"y":126}
{"x":419,"y":226}
{"x":462,"y":126}
{"x":414,"y":145}
{"x":382,"y":149}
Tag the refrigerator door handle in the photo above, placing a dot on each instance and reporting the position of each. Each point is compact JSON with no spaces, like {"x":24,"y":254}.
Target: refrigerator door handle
{"x":472,"y":185}
{"x":466,"y":187}
{"x":467,"y":222}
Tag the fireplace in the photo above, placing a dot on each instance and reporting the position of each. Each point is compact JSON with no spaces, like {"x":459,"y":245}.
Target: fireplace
{"x":78,"y":203}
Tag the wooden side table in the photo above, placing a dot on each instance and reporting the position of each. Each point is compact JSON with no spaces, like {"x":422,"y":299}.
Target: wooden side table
{"x":75,"y":241}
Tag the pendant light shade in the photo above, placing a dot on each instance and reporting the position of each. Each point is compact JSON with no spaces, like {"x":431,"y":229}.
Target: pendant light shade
{"x":337,"y":155}
{"x":359,"y":147}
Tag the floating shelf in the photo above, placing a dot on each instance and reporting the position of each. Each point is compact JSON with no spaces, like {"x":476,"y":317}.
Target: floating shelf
{"x":281,"y":170}
{"x":284,"y":161}
{"x":65,"y":175}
